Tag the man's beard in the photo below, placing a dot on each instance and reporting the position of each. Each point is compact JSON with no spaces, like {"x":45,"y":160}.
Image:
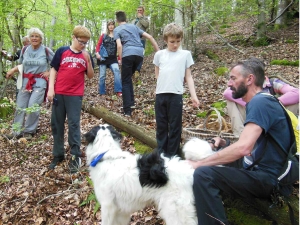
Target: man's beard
{"x":240,"y":91}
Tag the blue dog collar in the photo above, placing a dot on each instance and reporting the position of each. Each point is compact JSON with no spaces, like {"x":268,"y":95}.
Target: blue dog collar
{"x":97,"y":159}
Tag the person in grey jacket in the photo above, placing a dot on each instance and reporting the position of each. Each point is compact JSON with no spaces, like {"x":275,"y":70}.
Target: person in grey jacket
{"x":142,"y":22}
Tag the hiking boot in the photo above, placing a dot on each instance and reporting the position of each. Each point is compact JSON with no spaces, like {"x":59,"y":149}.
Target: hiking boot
{"x":74,"y":164}
{"x":27,"y":136}
{"x":55,"y":161}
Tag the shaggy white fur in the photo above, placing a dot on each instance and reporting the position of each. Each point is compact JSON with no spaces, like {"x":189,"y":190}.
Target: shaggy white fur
{"x":196,"y":149}
{"x":118,"y":189}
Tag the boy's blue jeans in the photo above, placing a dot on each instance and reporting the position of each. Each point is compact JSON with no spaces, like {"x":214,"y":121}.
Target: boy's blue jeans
{"x":117,"y":78}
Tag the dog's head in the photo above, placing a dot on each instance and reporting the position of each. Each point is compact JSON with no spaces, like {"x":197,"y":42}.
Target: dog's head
{"x":101,"y":139}
{"x":105,"y":130}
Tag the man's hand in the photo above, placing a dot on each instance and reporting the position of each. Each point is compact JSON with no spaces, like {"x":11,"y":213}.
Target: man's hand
{"x":194,"y":164}
{"x":139,"y":15}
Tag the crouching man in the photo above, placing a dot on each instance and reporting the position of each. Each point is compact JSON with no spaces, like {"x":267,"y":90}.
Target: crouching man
{"x":251,"y":181}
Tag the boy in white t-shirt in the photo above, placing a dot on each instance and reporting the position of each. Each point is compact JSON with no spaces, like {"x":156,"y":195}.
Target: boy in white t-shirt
{"x":172,"y":68}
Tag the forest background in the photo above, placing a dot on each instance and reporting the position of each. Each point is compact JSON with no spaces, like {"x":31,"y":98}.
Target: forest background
{"x":217,"y":32}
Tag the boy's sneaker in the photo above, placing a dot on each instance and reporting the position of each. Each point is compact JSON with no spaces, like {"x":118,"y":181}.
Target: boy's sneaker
{"x":75,"y":164}
{"x":55,"y":161}
{"x":11,"y":136}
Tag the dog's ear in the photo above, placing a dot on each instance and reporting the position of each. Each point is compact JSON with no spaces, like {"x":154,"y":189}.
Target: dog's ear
{"x":91,"y":135}
{"x":115,"y":135}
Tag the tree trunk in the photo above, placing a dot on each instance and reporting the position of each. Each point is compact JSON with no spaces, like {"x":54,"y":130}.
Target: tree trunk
{"x":69,"y":12}
{"x":138,"y":132}
{"x":282,"y":19}
{"x":53,"y":22}
{"x":261,"y":26}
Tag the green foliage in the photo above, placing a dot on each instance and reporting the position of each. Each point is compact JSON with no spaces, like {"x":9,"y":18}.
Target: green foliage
{"x":91,"y":198}
{"x":6,"y":108}
{"x":148,"y":48}
{"x":4,"y":179}
{"x":211,"y":55}
{"x":285,"y":62}
{"x":290,"y":41}
{"x":225,"y":26}
{"x":149,"y":112}
{"x":202,"y":114}
{"x":221,"y":71}
{"x":141,"y":148}
{"x":237,"y":216}
{"x":261,"y":42}
{"x":185,"y":95}
{"x":220,"y":106}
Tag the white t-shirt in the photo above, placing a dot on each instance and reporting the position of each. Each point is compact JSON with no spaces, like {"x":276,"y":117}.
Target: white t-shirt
{"x":172,"y":67}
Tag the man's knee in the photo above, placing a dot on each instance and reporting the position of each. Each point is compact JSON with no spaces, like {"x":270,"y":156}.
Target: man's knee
{"x":203,"y":173}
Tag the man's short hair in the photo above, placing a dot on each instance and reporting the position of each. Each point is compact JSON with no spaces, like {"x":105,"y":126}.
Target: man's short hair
{"x":25,"y":39}
{"x":253,"y":66}
{"x":81,"y":32}
{"x":121,"y":16}
{"x":172,"y":30}
{"x":141,"y":7}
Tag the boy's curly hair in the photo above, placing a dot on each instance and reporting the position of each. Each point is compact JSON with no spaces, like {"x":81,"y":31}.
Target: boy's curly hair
{"x":172,"y":30}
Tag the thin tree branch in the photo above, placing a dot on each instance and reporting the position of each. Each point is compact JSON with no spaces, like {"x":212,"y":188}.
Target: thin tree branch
{"x":21,"y":205}
{"x":210,"y":27}
{"x":283,"y":11}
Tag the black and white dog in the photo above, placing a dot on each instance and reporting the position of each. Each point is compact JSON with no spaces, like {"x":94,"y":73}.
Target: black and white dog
{"x":125,"y":183}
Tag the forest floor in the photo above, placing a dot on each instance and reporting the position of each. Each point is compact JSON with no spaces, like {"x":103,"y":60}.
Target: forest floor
{"x":30,"y":193}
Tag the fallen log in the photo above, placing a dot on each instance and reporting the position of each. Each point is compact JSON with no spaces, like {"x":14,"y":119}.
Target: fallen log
{"x":116,"y":120}
{"x":238,"y":211}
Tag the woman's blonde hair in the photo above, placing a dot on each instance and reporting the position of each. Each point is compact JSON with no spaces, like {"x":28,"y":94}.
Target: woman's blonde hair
{"x":108,"y":23}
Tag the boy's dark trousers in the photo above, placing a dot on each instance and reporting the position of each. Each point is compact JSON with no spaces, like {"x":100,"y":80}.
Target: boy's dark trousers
{"x":129,"y":65}
{"x":168,"y":112}
{"x":69,"y":106}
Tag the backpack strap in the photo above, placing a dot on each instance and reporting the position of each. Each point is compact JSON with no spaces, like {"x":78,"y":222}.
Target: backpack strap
{"x":271,"y":89}
{"x":283,"y":153}
{"x":47,"y":53}
{"x":24,"y":49}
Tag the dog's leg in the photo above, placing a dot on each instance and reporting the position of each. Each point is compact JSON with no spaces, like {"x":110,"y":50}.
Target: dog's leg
{"x":122,"y":218}
{"x":112,"y":215}
{"x":108,"y":214}
{"x":178,"y":214}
